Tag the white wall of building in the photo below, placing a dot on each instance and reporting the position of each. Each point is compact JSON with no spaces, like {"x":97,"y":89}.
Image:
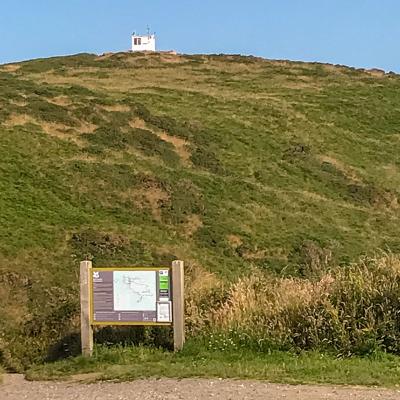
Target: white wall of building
{"x":143,"y":43}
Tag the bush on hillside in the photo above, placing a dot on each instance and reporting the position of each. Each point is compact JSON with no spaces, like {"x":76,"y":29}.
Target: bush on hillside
{"x":109,"y":137}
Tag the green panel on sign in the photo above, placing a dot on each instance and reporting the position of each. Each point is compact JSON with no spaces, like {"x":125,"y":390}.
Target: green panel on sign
{"x":164,"y":282}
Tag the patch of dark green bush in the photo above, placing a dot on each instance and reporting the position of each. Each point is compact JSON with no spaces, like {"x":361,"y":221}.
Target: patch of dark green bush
{"x":185,"y":199}
{"x":147,"y":142}
{"x":49,"y":112}
{"x":206,"y":159}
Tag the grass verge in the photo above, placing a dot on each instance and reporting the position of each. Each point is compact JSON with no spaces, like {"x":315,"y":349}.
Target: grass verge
{"x":129,"y":363}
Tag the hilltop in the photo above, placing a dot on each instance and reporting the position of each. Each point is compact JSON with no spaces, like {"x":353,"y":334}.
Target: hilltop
{"x":226,"y":162}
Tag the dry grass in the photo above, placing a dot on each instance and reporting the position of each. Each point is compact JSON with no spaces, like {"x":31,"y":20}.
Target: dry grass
{"x":350,"y":310}
{"x":193,"y":223}
{"x":60,"y":101}
{"x":376,"y":73}
{"x":200,"y":286}
{"x":11,"y":67}
{"x":117,"y":108}
{"x":19,"y":119}
{"x":86,"y":127}
{"x":235,"y":241}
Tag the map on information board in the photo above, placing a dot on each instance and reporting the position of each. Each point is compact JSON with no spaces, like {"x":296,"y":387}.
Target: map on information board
{"x":131,"y":296}
{"x":135,"y":291}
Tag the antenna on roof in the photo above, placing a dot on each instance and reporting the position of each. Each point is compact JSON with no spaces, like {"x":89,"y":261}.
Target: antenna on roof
{"x":148,"y":30}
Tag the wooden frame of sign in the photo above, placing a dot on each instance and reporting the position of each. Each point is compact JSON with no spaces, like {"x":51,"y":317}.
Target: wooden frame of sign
{"x":131,"y":296}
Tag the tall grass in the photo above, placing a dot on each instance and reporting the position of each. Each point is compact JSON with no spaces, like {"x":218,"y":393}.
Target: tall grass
{"x":347,"y":310}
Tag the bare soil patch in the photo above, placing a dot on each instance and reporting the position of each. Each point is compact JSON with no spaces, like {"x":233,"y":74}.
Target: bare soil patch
{"x":181,"y":146}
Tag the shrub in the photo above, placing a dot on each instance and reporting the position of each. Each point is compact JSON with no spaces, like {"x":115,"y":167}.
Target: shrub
{"x":151,"y":145}
{"x":206,"y":159}
{"x":147,"y":142}
{"x":49,"y":112}
{"x":185,"y":199}
{"x":108,"y":137}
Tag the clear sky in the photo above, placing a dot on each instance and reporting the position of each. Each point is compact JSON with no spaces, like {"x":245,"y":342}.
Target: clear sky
{"x":361,"y":33}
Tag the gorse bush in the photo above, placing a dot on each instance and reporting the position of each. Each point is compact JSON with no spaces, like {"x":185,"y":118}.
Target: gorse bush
{"x":148,"y":143}
{"x":349,"y":310}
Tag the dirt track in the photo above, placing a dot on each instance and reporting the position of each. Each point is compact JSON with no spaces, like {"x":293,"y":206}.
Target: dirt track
{"x":16,"y":388}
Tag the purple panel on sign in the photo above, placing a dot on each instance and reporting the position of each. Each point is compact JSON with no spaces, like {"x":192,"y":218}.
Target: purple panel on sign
{"x":103,"y":291}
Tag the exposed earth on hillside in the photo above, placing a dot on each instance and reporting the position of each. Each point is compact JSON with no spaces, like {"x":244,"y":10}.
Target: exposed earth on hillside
{"x":16,"y":388}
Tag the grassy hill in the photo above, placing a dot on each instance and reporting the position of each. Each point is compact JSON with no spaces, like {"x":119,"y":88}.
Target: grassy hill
{"x":227,"y":162}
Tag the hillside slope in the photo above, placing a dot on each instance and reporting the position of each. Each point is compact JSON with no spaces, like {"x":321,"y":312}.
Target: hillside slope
{"x":223,"y":161}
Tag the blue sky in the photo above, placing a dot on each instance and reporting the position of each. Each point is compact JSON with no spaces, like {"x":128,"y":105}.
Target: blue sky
{"x":361,"y":33}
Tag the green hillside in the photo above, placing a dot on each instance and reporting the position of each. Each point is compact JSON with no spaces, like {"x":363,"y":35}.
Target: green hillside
{"x":226,"y":162}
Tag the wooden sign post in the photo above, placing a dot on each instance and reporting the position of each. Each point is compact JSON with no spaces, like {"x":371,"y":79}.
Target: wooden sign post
{"x":86,"y":327}
{"x":178,"y":304}
{"x":132,"y":296}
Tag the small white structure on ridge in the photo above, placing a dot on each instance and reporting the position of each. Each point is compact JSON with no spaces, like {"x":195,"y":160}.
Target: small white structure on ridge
{"x":144,"y":42}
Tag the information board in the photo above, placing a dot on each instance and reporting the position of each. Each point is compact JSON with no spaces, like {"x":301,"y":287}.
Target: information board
{"x":131,"y":296}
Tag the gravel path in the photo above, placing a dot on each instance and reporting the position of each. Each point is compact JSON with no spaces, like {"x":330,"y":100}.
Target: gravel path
{"x":16,"y":388}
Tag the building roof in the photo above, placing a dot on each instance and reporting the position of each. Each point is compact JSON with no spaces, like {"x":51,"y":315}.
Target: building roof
{"x":134,"y":34}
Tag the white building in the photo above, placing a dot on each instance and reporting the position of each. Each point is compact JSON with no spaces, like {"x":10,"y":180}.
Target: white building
{"x":143,"y":42}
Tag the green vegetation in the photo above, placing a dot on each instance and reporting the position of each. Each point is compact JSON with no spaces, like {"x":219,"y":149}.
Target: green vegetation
{"x":252,"y":171}
{"x":132,"y":363}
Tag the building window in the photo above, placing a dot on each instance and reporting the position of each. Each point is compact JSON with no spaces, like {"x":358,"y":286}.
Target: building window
{"x":137,"y":41}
